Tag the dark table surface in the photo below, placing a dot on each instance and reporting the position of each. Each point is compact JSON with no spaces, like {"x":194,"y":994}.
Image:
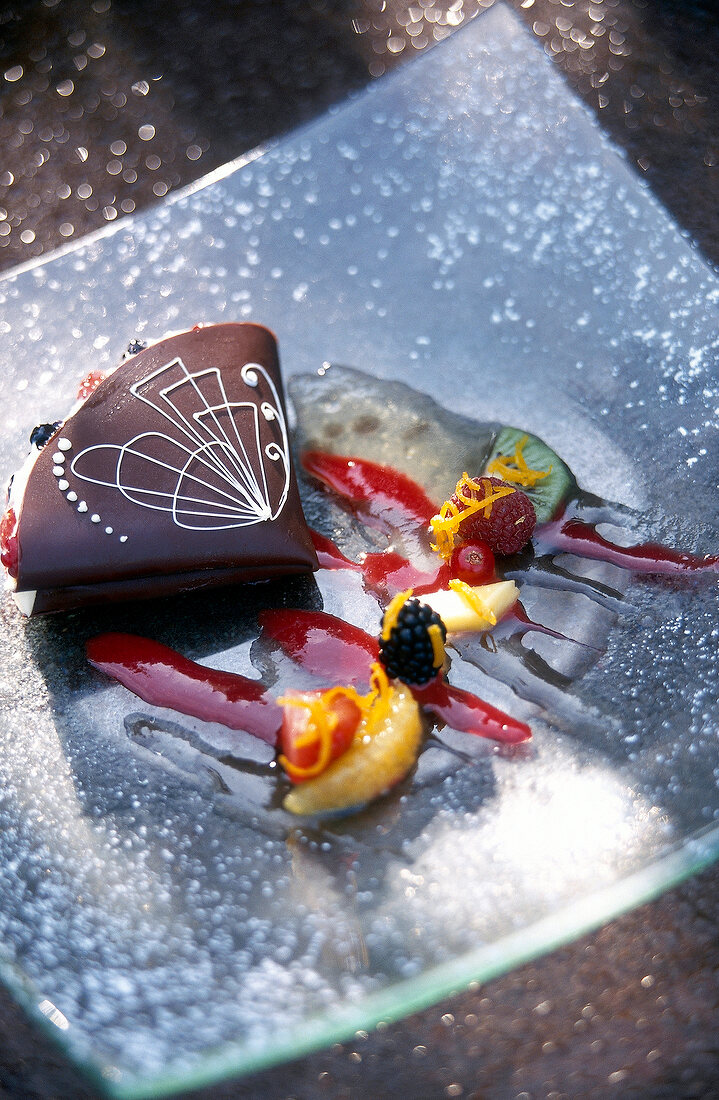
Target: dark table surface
{"x":107,"y":106}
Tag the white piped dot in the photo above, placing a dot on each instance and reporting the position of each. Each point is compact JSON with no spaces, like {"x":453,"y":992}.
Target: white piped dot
{"x":62,"y":484}
{"x":58,"y":457}
{"x":64,"y":444}
{"x":58,"y":471}
{"x":72,"y":496}
{"x":123,"y":538}
{"x":82,"y":506}
{"x":108,"y":530}
{"x":94,"y":518}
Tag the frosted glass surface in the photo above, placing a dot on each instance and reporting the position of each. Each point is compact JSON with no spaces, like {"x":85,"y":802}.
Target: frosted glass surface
{"x":463,"y":227}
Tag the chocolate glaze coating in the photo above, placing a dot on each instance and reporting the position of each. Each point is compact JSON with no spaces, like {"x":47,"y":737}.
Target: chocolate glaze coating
{"x":175,"y":473}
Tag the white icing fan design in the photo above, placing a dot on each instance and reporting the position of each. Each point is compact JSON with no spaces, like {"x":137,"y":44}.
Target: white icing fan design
{"x":207,"y":467}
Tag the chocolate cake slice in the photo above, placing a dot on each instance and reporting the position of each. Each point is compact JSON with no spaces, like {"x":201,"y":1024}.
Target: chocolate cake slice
{"x":174,"y":473}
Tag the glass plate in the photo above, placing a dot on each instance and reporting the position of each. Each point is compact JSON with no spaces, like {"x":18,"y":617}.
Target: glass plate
{"x":464,"y":227}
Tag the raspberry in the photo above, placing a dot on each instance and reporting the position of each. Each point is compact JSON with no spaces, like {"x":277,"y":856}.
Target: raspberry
{"x":8,"y":542}
{"x":510,"y":523}
{"x":408,"y":654}
{"x":90,"y":383}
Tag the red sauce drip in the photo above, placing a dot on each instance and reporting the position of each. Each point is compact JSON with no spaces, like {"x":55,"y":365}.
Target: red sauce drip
{"x":165,"y":678}
{"x":389,"y":497}
{"x":9,"y":549}
{"x":337,"y":651}
{"x":385,"y":496}
{"x":329,"y":555}
{"x":574,"y":536}
{"x":385,"y":573}
{"x":388,"y":573}
{"x":90,"y":383}
{"x":325,"y":646}
{"x":467,"y":712}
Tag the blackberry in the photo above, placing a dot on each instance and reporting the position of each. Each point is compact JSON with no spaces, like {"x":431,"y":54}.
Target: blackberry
{"x":408,"y":653}
{"x":40,"y":434}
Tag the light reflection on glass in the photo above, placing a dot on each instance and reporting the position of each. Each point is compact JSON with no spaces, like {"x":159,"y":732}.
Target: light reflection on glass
{"x":54,"y":1015}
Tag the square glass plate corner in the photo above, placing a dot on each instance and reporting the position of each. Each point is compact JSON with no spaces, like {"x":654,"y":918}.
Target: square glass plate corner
{"x":462,"y":227}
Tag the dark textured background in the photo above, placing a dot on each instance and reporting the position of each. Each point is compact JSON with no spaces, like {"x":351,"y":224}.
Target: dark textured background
{"x":107,"y":106}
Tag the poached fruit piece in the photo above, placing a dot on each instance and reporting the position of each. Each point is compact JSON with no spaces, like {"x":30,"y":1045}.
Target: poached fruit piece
{"x":463,"y":607}
{"x":383,"y":752}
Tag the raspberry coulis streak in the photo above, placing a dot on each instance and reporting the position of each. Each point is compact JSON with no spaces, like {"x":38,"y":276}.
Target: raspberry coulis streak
{"x":395,"y":492}
{"x":575,"y":536}
{"x":164,"y":678}
{"x":337,"y":651}
{"x":330,"y":556}
{"x":388,"y":573}
{"x":381,"y":493}
{"x":323,"y":645}
{"x":461,"y":710}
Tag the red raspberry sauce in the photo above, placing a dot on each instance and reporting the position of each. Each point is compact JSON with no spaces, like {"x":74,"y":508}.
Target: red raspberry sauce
{"x":90,"y":383}
{"x":330,"y":556}
{"x":9,"y":551}
{"x":387,"y":497}
{"x":165,"y":678}
{"x":574,"y":536}
{"x":384,"y":496}
{"x":327,"y":647}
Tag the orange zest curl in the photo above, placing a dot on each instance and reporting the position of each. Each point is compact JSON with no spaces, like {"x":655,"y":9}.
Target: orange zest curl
{"x":473,"y":599}
{"x":389,"y":619}
{"x":376,"y":704}
{"x":445,"y":525}
{"x":514,"y":467}
{"x":438,"y":651}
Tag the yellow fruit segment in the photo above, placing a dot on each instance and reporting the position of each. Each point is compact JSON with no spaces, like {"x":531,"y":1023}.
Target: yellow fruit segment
{"x":473,"y":609}
{"x":377,"y":759}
